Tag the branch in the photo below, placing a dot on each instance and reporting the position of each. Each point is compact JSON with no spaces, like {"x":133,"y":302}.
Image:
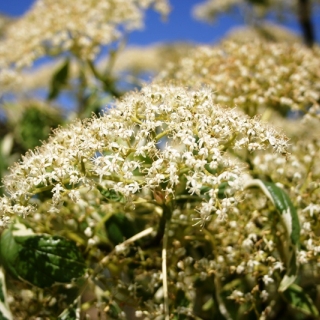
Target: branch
{"x":120,"y":247}
{"x":304,"y":14}
{"x":107,"y":81}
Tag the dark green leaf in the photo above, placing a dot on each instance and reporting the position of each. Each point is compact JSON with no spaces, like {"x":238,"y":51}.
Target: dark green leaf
{"x":222,"y":190}
{"x":119,"y":228}
{"x":36,"y":124}
{"x":181,"y":299}
{"x":207,"y":167}
{"x":2,"y":293}
{"x":204,"y":192}
{"x":114,"y":311}
{"x":41,"y":260}
{"x":300,"y":300}
{"x":59,"y":80}
{"x":111,"y":195}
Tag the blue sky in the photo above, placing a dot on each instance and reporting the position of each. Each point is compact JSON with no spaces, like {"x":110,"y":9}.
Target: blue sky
{"x":179,"y":27}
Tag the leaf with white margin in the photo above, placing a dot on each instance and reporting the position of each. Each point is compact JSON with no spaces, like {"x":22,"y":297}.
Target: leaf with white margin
{"x":290,"y":220}
{"x":5,"y":313}
{"x":300,"y":300}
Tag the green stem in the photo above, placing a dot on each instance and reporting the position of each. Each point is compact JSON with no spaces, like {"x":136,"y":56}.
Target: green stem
{"x":222,"y":307}
{"x":161,"y":135}
{"x":135,"y":119}
{"x":107,"y":81}
{"x":164,"y":272}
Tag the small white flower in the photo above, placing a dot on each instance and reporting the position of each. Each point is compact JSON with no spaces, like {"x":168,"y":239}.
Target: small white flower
{"x":267,"y":279}
{"x":264,"y":295}
{"x":236,"y":294}
{"x":88,"y":232}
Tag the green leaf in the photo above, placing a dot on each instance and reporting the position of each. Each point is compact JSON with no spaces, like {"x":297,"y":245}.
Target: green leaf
{"x":208,"y":305}
{"x":114,"y":311}
{"x":222,"y":190}
{"x":207,"y":167}
{"x":300,"y":300}
{"x":35,"y":124}
{"x":119,"y":228}
{"x":290,"y":276}
{"x":204,"y":192}
{"x":41,"y":260}
{"x":286,"y":209}
{"x":59,"y":80}
{"x":231,"y":285}
{"x":5,"y":313}
{"x":290,"y":220}
{"x":181,"y":299}
{"x":111,"y":195}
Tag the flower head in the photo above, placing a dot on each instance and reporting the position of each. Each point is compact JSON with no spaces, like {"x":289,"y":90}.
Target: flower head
{"x":254,"y":75}
{"x":80,"y":27}
{"x":163,"y":139}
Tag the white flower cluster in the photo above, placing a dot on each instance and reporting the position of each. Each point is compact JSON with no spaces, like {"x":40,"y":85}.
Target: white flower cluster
{"x":207,"y":10}
{"x":300,"y":177}
{"x":267,"y":31}
{"x":254,"y":76}
{"x":81,"y":26}
{"x":152,"y":141}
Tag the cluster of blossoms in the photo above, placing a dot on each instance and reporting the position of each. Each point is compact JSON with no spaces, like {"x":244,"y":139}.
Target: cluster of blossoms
{"x":149,"y":59}
{"x":241,"y":247}
{"x":300,"y":177}
{"x":82,"y":28}
{"x":207,"y":10}
{"x":169,"y":165}
{"x":129,"y":65}
{"x":266,"y":31}
{"x":254,"y":76}
{"x":152,"y":141}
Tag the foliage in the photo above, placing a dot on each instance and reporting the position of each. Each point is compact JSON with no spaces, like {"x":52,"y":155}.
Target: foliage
{"x":182,"y":199}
